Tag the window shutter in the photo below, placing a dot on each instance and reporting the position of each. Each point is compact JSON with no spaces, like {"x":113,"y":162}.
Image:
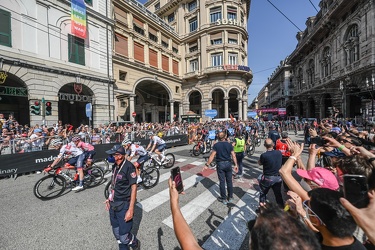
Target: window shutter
{"x":216,"y":36}
{"x":121,"y":15}
{"x":165,"y":63}
{"x":121,"y":45}
{"x":5,"y":28}
{"x":153,"y":58}
{"x":175,"y":67}
{"x":138,"y":22}
{"x":139,"y":53}
{"x":233,"y":36}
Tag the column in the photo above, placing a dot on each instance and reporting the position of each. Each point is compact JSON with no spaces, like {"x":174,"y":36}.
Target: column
{"x":131,"y":107}
{"x":152,"y":107}
{"x":244,"y":109}
{"x":209,"y":103}
{"x":226,"y":111}
{"x":180,"y":111}
{"x":143,"y":113}
{"x":171,"y":111}
{"x":240,"y":109}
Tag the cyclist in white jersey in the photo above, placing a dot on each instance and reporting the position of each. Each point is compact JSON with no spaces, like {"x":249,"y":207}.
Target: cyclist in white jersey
{"x":77,"y":158}
{"x":157,"y":141}
{"x":134,"y":150}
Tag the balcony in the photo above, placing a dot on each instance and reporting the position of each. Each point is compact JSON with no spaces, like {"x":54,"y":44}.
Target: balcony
{"x":227,"y":68}
{"x":192,"y":74}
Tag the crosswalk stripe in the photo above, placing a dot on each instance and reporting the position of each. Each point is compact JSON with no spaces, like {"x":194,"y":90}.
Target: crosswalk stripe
{"x":181,"y":160}
{"x":197,"y":163}
{"x":232,"y":231}
{"x":197,"y":206}
{"x":163,"y":196}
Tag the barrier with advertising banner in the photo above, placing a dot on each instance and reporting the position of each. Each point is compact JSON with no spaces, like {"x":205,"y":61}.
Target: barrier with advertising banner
{"x":16,"y":164}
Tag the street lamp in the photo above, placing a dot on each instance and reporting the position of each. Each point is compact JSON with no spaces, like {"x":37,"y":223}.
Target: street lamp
{"x":371,"y":93}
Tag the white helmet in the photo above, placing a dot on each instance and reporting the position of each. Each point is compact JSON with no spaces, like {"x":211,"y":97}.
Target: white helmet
{"x":126,"y":142}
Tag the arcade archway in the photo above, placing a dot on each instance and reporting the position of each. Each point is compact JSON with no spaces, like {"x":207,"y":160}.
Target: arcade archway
{"x":14,"y":99}
{"x":195,"y":100}
{"x":72,"y":104}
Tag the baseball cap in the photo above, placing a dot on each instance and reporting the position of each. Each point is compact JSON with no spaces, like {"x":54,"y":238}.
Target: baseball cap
{"x":116,"y":149}
{"x":38,"y":130}
{"x":321,"y":176}
{"x":284,"y":134}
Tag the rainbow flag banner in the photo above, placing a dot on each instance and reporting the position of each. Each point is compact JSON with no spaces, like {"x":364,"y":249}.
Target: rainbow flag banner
{"x":78,"y":17}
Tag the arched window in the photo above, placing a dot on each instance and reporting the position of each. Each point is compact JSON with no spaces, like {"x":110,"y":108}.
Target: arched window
{"x":326,"y":62}
{"x":311,"y":73}
{"x":351,"y":45}
{"x":300,"y":79}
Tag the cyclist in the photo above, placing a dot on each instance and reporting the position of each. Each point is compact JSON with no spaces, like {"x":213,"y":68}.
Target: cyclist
{"x":135,"y":150}
{"x":77,"y":158}
{"x":161,"y":145}
{"x":201,"y":136}
{"x":87,"y":148}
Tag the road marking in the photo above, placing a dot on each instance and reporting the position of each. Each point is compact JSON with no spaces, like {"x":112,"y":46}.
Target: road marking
{"x":197,"y":163}
{"x":233,"y":230}
{"x":197,"y":206}
{"x":156,"y":200}
{"x":181,"y":159}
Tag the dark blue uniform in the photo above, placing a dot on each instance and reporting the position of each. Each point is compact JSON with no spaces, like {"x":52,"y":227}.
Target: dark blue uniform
{"x":123,"y":177}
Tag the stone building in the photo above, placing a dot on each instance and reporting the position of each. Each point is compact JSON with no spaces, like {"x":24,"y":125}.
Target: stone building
{"x":333,"y":63}
{"x":49,"y":72}
{"x":172,"y":57}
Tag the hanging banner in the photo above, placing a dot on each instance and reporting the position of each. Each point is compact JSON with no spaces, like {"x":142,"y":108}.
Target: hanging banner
{"x":78,"y":18}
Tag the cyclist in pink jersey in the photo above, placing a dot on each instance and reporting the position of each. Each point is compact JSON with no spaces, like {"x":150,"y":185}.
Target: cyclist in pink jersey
{"x":87,"y":148}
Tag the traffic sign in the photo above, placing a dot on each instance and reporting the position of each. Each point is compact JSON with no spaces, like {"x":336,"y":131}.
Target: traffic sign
{"x":211,"y":113}
{"x":134,"y":114}
{"x":88,"y":110}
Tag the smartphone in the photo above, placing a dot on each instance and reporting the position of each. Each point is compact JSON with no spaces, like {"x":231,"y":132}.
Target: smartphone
{"x":355,"y":190}
{"x":318,"y":141}
{"x":177,"y":178}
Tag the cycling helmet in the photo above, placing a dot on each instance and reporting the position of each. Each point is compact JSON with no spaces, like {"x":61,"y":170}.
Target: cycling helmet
{"x":126,"y":142}
{"x":76,"y":138}
{"x":56,"y":142}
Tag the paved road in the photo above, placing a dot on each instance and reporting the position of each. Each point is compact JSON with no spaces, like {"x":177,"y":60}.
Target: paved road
{"x":79,"y":220}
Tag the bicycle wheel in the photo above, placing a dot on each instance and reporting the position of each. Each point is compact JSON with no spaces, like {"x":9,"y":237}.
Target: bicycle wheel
{"x":258,"y":142}
{"x":250,"y":149}
{"x":49,"y":187}
{"x":196,"y":150}
{"x":103,"y":164}
{"x":93,"y":177}
{"x":169,"y":160}
{"x":150,"y":177}
{"x":107,"y":190}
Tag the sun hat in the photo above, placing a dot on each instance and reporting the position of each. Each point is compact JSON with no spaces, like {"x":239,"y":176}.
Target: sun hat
{"x":321,"y":176}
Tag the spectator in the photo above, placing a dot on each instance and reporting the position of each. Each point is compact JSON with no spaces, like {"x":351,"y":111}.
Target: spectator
{"x":271,"y":162}
{"x":223,"y":151}
{"x":336,"y":226}
{"x":273,"y":135}
{"x":239,"y":147}
{"x":282,"y":146}
{"x":36,"y":140}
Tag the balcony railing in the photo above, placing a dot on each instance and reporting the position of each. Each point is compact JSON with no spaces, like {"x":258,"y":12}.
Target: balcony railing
{"x":227,"y":67}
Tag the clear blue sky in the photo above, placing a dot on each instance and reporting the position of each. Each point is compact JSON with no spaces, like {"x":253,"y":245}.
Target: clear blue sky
{"x":272,"y":37}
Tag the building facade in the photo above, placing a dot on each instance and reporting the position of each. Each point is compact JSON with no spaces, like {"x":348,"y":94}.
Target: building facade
{"x":173,"y":58}
{"x":49,"y":72}
{"x":333,"y":63}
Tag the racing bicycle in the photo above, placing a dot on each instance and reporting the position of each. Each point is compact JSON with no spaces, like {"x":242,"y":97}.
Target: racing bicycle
{"x":149,"y":173}
{"x":199,"y":147}
{"x":63,"y":176}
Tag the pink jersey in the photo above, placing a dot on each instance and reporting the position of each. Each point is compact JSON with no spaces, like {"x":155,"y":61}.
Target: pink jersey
{"x":85,"y":146}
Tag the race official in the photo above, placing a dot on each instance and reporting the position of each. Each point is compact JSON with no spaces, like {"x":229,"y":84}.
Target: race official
{"x":224,"y":153}
{"x":239,"y":148}
{"x":271,"y":161}
{"x":121,"y":200}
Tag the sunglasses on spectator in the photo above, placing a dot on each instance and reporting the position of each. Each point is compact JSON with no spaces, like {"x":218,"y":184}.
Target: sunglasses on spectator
{"x":310,"y":213}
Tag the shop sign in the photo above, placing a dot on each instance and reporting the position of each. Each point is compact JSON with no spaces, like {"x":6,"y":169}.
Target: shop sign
{"x":228,"y":21}
{"x":3,"y":76}
{"x":74,"y":97}
{"x":13,"y":91}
